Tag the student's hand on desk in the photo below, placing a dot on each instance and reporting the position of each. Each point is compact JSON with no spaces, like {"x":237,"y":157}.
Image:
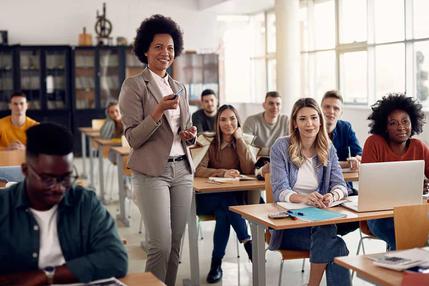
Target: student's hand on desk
{"x":354,"y":162}
{"x":16,"y":145}
{"x":328,"y":199}
{"x":315,"y":199}
{"x":33,"y":278}
{"x":188,"y":134}
{"x":232,"y":173}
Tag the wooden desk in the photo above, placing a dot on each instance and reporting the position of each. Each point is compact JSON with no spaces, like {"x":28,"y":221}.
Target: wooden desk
{"x":141,"y":279}
{"x":257,"y":215}
{"x":102,"y":144}
{"x":83,"y":136}
{"x":366,"y":269}
{"x":121,"y":161}
{"x":201,"y":186}
{"x":351,"y":176}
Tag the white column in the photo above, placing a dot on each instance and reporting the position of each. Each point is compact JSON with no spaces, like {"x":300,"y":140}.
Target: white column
{"x":288,"y":52}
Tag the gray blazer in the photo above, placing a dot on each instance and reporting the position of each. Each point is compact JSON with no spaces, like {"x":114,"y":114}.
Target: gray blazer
{"x":150,"y":141}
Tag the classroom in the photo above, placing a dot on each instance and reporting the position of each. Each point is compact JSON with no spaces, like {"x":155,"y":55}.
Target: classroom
{"x":224,"y":142}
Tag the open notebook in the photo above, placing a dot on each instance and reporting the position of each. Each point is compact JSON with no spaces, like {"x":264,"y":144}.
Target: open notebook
{"x":229,"y":180}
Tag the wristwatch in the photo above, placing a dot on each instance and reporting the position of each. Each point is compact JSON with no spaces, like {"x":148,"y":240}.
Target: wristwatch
{"x":50,"y":273}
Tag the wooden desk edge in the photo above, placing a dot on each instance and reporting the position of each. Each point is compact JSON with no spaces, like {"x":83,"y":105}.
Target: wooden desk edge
{"x":271,"y":223}
{"x":372,"y":272}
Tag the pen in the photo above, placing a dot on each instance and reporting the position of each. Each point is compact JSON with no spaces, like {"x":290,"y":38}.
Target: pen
{"x":350,"y":152}
{"x":294,"y":214}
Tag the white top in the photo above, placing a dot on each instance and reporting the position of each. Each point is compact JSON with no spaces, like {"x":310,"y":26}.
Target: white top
{"x":306,"y":181}
{"x":172,"y":115}
{"x":50,"y":253}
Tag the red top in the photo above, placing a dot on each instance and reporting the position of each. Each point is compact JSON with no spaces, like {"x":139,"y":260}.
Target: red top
{"x":376,"y":149}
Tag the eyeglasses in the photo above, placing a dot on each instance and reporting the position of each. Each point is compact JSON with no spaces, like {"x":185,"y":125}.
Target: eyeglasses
{"x":50,"y":181}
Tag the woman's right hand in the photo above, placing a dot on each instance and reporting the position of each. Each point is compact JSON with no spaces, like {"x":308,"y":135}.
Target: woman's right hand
{"x":315,"y":199}
{"x":167,"y":102}
{"x":231,"y":173}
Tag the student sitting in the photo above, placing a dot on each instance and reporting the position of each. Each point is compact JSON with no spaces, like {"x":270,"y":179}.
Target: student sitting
{"x":305,"y":169}
{"x":112,"y":127}
{"x":228,"y":156}
{"x":51,"y":231}
{"x":395,"y":119}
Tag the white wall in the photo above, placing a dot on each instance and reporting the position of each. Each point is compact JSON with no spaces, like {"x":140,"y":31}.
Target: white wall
{"x":61,"y":21}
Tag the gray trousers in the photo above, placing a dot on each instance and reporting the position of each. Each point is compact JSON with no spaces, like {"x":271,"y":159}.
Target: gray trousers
{"x":164,"y":203}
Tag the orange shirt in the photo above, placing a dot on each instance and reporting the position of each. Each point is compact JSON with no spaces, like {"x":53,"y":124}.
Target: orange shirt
{"x":10,"y":133}
{"x":376,"y":149}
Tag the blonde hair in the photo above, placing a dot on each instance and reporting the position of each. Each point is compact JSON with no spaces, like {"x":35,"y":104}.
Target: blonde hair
{"x":321,"y":144}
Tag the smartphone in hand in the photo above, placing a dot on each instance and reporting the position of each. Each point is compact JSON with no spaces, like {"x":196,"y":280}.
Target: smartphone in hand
{"x":179,"y":92}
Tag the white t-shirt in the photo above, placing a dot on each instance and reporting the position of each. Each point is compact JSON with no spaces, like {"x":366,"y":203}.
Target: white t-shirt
{"x":50,"y":253}
{"x":306,"y":181}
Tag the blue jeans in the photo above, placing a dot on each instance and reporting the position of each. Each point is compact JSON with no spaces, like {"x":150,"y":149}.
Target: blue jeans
{"x":323,"y":244}
{"x":217,"y":204}
{"x":384,"y":229}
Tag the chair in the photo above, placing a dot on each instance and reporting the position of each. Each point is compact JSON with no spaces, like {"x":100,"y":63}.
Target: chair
{"x":285,"y":253}
{"x":413,"y":220}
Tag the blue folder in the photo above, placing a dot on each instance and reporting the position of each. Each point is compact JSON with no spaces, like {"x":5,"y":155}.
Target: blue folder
{"x":314,"y":214}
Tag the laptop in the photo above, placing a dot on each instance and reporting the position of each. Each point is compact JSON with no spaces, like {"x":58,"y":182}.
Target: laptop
{"x":385,"y":185}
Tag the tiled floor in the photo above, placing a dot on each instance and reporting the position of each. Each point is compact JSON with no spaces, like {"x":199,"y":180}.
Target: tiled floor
{"x":237,"y":271}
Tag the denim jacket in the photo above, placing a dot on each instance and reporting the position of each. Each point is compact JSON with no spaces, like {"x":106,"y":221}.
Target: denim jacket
{"x":284,"y":175}
{"x":86,"y":232}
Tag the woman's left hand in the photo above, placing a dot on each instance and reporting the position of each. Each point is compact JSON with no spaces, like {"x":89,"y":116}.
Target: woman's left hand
{"x":188,"y":134}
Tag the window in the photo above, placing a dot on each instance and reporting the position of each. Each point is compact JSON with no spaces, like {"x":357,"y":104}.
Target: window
{"x":378,"y":47}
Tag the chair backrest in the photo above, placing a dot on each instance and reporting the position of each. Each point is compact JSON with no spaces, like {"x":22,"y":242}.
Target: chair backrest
{"x":97,"y":123}
{"x":268,"y":188}
{"x":12,"y":157}
{"x":411,"y":226}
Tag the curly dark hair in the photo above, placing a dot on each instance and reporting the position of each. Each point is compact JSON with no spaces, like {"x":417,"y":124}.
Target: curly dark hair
{"x":157,"y":24}
{"x":395,"y":101}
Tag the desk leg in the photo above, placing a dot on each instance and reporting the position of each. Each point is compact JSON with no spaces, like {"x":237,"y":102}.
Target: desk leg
{"x":258,"y":253}
{"x":83,"y":141}
{"x":122,"y":192}
{"x":91,"y":166}
{"x":101,"y":173}
{"x":193,"y":246}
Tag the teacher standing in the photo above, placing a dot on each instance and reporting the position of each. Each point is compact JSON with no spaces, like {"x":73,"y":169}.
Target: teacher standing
{"x":158,"y":127}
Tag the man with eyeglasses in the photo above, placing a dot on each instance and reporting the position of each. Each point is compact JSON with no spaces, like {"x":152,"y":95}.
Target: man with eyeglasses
{"x":50,"y":230}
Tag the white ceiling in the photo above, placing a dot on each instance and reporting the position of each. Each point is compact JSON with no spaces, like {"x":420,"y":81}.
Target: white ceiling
{"x":235,"y":6}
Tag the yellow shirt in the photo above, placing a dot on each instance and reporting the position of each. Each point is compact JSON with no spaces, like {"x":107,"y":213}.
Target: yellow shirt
{"x":10,"y":133}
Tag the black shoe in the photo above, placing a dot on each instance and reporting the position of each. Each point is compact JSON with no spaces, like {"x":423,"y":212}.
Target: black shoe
{"x":248,"y":248}
{"x":215,"y":273}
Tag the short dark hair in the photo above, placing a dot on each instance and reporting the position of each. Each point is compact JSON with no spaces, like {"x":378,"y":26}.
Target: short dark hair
{"x":111,"y":103}
{"x":207,"y":92}
{"x":157,"y":24}
{"x":395,"y":101}
{"x":17,"y":94}
{"x":333,"y":94}
{"x":272,"y":94}
{"x":49,"y":139}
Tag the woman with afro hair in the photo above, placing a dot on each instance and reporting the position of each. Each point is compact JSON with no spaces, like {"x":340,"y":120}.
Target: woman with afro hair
{"x":395,"y":119}
{"x":157,"y":125}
